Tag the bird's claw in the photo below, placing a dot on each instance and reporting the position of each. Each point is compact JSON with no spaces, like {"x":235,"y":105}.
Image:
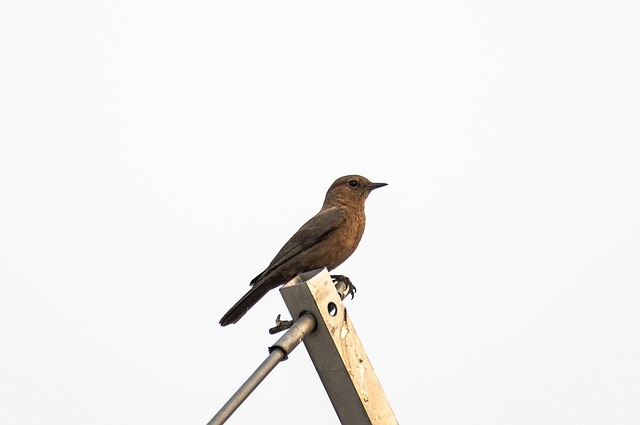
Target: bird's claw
{"x":281,"y":325}
{"x":344,"y":286}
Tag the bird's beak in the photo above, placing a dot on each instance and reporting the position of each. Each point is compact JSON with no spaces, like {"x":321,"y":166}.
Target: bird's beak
{"x":375,"y":185}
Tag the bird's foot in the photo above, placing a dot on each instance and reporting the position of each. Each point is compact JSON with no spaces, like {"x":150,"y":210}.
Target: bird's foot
{"x":344,"y":286}
{"x":281,"y":325}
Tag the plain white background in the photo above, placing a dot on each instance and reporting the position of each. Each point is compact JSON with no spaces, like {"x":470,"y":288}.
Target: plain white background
{"x":154,"y":156}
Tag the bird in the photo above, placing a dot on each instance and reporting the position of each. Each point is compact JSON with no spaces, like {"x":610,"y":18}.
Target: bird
{"x":326,"y":240}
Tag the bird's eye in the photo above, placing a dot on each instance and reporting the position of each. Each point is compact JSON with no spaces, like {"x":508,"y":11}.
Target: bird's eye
{"x":353,"y":183}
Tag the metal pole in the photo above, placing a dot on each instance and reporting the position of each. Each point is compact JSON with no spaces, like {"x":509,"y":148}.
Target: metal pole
{"x":278,"y":352}
{"x":337,"y":352}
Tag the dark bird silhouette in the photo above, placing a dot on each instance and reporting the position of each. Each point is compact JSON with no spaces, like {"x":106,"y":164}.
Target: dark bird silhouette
{"x":326,"y":240}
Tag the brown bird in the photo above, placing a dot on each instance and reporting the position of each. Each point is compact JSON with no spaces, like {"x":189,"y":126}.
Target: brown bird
{"x":326,"y":240}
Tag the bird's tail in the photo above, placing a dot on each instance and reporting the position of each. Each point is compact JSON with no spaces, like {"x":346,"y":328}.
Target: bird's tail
{"x":247,"y":301}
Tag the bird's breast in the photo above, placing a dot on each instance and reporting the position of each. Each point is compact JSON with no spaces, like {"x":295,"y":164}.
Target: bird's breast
{"x":344,"y":240}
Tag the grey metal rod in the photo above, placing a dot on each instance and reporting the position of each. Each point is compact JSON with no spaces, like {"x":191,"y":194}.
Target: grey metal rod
{"x":278,"y":352}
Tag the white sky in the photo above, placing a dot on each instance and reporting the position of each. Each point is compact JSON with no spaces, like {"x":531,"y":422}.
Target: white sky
{"x":154,"y":156}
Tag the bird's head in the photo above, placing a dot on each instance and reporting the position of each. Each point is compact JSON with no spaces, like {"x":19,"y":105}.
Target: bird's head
{"x":350,"y":190}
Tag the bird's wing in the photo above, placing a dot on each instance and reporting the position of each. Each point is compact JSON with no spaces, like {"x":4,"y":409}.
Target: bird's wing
{"x":318,"y":228}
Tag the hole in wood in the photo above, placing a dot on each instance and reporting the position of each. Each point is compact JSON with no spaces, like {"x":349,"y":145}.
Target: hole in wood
{"x":332,"y":309}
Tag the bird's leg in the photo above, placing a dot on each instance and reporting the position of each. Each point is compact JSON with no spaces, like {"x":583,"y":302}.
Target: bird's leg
{"x":344,"y":286}
{"x":281,"y":325}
